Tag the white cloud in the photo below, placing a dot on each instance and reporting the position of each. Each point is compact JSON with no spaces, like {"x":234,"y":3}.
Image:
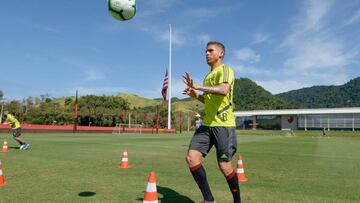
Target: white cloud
{"x":312,"y":20}
{"x":93,"y":75}
{"x":260,"y":38}
{"x":253,"y":71}
{"x":319,"y":54}
{"x":176,"y":38}
{"x":313,"y":46}
{"x":41,"y":27}
{"x":293,"y":82}
{"x":315,"y":51}
{"x":179,"y":36}
{"x":316,"y":10}
{"x":247,"y":55}
{"x":183,"y":34}
{"x":279,"y":86}
{"x":354,"y":18}
{"x":200,"y":14}
{"x":162,"y":5}
{"x":204,"y":38}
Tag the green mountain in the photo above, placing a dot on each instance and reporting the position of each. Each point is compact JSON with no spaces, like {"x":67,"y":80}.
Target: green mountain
{"x":191,"y":106}
{"x":187,"y":105}
{"x":247,"y":96}
{"x":250,"y":96}
{"x":139,"y":102}
{"x":346,"y":95}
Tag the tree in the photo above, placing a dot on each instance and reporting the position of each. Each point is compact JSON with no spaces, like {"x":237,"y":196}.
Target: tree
{"x":1,"y":95}
{"x":101,"y":110}
{"x":346,"y":95}
{"x":249,"y":96}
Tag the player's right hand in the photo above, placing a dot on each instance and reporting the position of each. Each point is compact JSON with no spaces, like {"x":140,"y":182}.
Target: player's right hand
{"x":188,"y":81}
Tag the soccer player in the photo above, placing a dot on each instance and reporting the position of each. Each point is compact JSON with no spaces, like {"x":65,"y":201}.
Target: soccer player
{"x":218,"y":127}
{"x":15,"y":125}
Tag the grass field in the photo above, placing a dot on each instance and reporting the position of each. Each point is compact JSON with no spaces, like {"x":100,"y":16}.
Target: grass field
{"x":83,"y":168}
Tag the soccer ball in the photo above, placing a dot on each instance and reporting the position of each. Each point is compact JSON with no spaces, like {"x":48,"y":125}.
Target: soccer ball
{"x":122,"y":9}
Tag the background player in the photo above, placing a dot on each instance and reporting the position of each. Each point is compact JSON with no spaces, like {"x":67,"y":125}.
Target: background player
{"x":15,"y":125}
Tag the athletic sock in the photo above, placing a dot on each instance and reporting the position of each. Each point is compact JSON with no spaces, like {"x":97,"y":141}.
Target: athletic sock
{"x":233,"y":183}
{"x":199,"y":174}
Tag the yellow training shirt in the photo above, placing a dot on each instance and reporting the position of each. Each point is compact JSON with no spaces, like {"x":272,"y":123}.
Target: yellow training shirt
{"x":219,"y":108}
{"x":14,"y":123}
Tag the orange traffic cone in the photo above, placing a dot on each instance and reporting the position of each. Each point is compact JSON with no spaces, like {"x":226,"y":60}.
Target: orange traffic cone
{"x":124,"y":160}
{"x":5,"y":147}
{"x":2,"y":178}
{"x":151,"y":195}
{"x":240,"y":170}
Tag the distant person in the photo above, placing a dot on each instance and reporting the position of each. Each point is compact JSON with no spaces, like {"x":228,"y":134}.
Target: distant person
{"x":15,"y":125}
{"x":324,"y":132}
{"x":218,"y":126}
{"x":198,"y":121}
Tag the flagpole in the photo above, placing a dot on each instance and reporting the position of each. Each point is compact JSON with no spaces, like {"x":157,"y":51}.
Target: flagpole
{"x":76,"y":113}
{"x":169,"y":90}
{"x":2,"y":111}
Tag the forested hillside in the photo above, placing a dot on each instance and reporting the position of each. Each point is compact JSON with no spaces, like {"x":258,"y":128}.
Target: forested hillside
{"x":347,"y":95}
{"x":109,"y":110}
{"x":250,"y":96}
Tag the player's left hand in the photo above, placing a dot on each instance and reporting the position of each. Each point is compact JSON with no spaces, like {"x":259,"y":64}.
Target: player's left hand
{"x":189,"y":91}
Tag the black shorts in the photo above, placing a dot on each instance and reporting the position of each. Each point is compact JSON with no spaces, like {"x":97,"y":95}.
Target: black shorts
{"x":224,"y":139}
{"x":17,"y":132}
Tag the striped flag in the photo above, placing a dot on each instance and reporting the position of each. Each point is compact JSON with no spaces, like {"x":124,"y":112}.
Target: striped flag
{"x":165,"y":86}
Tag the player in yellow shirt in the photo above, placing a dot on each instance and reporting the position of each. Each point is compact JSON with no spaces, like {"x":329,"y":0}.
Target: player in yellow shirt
{"x":15,"y":125}
{"x":218,"y":127}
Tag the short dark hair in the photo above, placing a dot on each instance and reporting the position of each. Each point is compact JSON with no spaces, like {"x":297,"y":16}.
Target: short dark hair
{"x":221,"y":45}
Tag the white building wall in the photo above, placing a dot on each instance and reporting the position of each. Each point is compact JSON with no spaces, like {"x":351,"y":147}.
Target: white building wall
{"x":289,"y":122}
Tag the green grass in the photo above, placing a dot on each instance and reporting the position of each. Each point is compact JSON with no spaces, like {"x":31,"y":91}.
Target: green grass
{"x":83,"y":168}
{"x":138,"y":102}
{"x":193,"y":106}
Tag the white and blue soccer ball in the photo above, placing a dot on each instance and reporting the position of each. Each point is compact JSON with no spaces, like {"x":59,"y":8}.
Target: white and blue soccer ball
{"x":122,"y":9}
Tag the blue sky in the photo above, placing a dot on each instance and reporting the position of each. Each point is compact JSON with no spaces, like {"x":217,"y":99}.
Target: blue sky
{"x":57,"y":47}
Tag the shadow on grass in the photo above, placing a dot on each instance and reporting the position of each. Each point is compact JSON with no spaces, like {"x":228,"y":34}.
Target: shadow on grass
{"x":86,"y":194}
{"x":171,"y":196}
{"x":14,"y":147}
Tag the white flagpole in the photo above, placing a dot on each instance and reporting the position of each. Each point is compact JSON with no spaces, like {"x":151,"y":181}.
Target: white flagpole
{"x":2,"y":111}
{"x":169,"y":89}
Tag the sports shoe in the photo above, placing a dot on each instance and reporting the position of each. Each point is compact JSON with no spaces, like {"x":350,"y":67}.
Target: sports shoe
{"x":204,"y":201}
{"x":25,"y":147}
{"x":22,"y":146}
